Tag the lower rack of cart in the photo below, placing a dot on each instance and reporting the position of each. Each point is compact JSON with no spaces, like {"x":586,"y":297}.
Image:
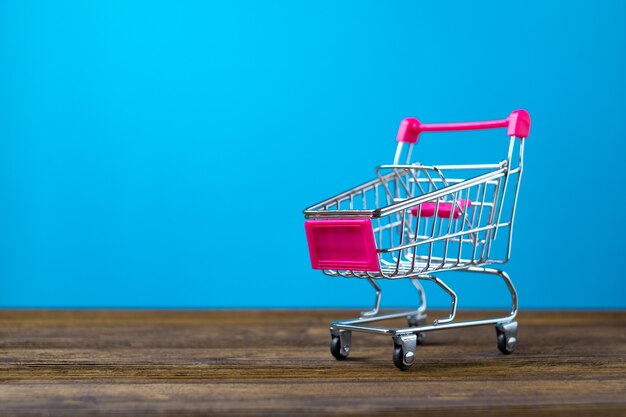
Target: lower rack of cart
{"x":406,"y":339}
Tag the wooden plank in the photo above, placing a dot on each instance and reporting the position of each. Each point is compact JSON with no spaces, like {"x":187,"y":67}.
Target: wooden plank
{"x":277,"y":362}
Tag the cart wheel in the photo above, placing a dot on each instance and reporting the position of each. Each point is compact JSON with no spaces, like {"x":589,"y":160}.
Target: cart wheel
{"x":507,"y":337}
{"x":416,"y":322}
{"x":505,"y":346}
{"x":340,"y":353}
{"x":398,"y":357}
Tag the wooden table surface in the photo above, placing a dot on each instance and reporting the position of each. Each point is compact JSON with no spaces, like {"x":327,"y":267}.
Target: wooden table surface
{"x":278,"y":362}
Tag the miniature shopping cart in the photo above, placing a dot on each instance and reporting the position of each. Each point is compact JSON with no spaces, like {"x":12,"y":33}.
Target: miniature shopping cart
{"x":415,"y":220}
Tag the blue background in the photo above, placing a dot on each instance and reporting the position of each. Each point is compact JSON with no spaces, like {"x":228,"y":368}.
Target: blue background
{"x":159,"y":154}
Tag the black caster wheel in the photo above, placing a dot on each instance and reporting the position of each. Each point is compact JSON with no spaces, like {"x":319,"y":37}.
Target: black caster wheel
{"x":505,"y":346}
{"x":399,"y":359}
{"x":507,"y":337}
{"x":339,"y":352}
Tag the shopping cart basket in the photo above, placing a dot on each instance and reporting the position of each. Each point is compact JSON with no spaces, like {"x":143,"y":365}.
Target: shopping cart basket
{"x":413,"y":220}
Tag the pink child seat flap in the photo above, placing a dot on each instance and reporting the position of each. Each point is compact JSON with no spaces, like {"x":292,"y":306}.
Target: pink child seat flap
{"x":345,"y":244}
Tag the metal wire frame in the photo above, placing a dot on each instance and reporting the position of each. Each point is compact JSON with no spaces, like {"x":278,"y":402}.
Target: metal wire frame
{"x":358,"y":324}
{"x":410,"y":245}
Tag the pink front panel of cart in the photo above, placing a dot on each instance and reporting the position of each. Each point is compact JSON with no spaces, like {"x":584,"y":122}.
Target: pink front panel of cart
{"x":342,"y":244}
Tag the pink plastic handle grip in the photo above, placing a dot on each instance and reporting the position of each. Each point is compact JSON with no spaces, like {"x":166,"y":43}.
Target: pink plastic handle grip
{"x":444,"y":210}
{"x":424,"y":210}
{"x":517,"y":124}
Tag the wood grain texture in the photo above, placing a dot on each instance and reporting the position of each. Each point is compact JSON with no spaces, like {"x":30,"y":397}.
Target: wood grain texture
{"x":278,"y":363}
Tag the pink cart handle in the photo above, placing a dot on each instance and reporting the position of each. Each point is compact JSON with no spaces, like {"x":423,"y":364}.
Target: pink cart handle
{"x":517,"y":124}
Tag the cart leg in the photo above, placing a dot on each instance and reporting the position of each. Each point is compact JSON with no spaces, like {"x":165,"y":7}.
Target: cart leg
{"x":509,"y":285}
{"x":404,"y":347}
{"x":507,"y":337}
{"x":506,"y":329}
{"x":374,"y":310}
{"x":452,"y":295}
{"x":340,"y":341}
{"x":419,"y":318}
{"x":421,"y":311}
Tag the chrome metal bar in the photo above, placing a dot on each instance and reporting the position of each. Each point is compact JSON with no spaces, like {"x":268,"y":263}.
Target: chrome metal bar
{"x":507,"y":280}
{"x":452,"y":295}
{"x":379,"y":317}
{"x":448,"y":167}
{"x":440,"y":192}
{"x":396,"y":158}
{"x":374,"y":310}
{"x":419,"y":329}
{"x":438,"y":238}
{"x":420,"y":290}
{"x":517,"y":187}
{"x":506,"y":181}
